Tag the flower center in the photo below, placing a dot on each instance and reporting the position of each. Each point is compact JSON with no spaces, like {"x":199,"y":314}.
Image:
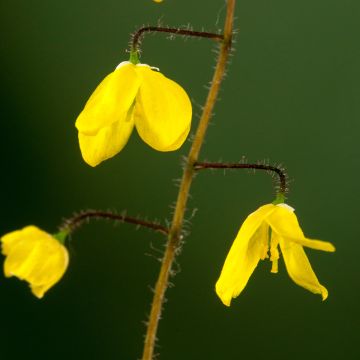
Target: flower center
{"x":271,"y":242}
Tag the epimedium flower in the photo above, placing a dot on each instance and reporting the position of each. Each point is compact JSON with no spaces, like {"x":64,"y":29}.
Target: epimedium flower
{"x":133,"y":95}
{"x":269,"y":226}
{"x":35,"y":256}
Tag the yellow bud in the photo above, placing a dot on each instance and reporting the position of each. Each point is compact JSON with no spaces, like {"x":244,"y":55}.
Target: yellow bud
{"x":35,"y":256}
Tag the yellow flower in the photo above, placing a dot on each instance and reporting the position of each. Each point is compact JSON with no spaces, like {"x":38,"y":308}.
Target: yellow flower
{"x":133,"y":95}
{"x":35,"y":256}
{"x":269,"y":226}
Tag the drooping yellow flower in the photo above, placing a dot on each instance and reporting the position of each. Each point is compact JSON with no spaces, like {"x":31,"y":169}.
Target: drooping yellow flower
{"x":269,"y":226}
{"x":133,"y":95}
{"x":35,"y":256}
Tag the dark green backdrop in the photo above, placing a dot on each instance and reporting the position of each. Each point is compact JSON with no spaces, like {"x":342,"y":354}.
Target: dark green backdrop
{"x":291,"y":96}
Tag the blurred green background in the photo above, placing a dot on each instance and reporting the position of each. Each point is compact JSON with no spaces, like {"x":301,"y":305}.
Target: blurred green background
{"x":291,"y":96}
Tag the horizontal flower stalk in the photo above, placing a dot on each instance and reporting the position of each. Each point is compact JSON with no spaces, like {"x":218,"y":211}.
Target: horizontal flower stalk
{"x":77,"y":220}
{"x":282,"y":188}
{"x":176,"y":31}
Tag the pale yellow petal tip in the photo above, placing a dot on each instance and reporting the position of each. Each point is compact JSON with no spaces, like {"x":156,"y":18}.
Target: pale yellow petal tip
{"x":223,"y":295}
{"x":158,"y":1}
{"x":7,"y":273}
{"x":37,"y":291}
{"x":91,"y":160}
{"x":324,"y":293}
{"x":90,"y":151}
{"x":92,"y":164}
{"x":331,"y":247}
{"x":319,"y":245}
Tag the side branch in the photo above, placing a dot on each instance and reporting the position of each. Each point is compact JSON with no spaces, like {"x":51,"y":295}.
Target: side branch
{"x":283,"y":189}
{"x":76,"y":221}
{"x":176,"y":31}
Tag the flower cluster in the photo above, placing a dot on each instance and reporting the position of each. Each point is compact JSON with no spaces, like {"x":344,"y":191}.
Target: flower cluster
{"x":137,"y":95}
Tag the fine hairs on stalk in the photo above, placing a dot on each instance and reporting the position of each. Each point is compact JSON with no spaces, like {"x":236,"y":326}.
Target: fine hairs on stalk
{"x":84,"y":216}
{"x":137,"y":36}
{"x":174,"y":237}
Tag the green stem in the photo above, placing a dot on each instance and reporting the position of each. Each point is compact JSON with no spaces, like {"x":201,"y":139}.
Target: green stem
{"x":174,"y":237}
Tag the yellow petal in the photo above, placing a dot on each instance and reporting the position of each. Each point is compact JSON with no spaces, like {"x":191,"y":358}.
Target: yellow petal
{"x":106,"y":143}
{"x":177,"y":144}
{"x":244,"y":255}
{"x":20,"y":259}
{"x":284,"y":222}
{"x":314,"y":244}
{"x":299,"y":268}
{"x":50,"y":271}
{"x":253,"y":221}
{"x":10,"y":239}
{"x":38,"y":290}
{"x":162,"y":111}
{"x":111,"y":100}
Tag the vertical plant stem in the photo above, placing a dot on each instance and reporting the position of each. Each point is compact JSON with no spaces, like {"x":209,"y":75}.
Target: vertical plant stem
{"x":174,"y":238}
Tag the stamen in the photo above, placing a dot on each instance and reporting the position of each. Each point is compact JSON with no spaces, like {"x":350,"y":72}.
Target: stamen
{"x":274,"y":266}
{"x":264,"y":252}
{"x":274,"y":254}
{"x":264,"y":236}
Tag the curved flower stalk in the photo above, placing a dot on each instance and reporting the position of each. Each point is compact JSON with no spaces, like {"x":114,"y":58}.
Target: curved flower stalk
{"x":268,"y":227}
{"x":35,"y":256}
{"x":133,"y":95}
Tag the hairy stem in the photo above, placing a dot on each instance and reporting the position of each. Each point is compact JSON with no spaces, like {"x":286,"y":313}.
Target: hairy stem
{"x":77,"y":220}
{"x":174,"y":238}
{"x":277,"y":170}
{"x":176,"y":31}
